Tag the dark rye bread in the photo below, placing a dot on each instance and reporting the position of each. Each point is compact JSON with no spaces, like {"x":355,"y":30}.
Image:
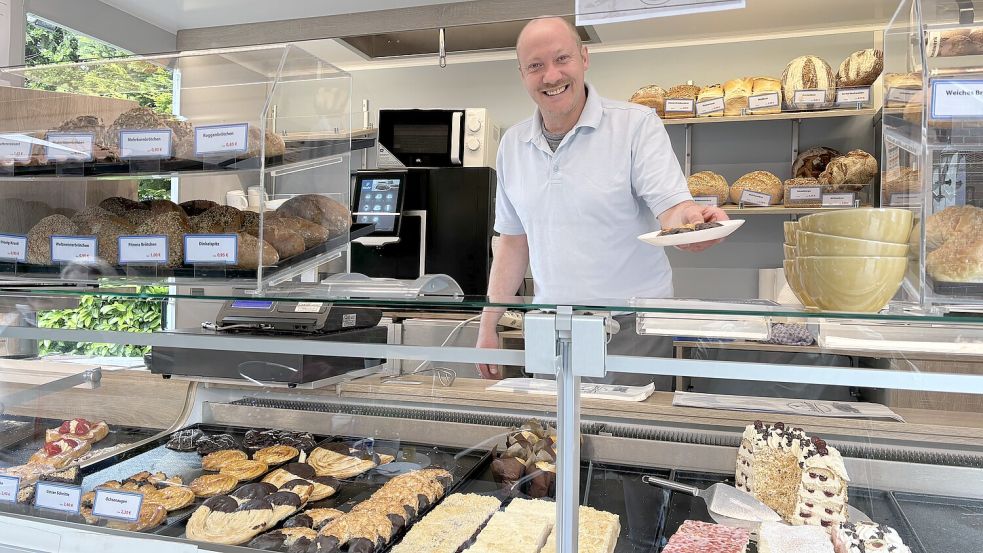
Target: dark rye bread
{"x":329,"y":213}
{"x":249,"y":250}
{"x":174,"y":226}
{"x":196,"y":207}
{"x":39,"y":237}
{"x":313,"y":234}
{"x":119,"y":206}
{"x":218,"y":220}
{"x":286,"y":242}
{"x":250,"y":222}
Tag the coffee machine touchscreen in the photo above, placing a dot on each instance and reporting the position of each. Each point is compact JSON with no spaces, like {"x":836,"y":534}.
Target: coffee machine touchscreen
{"x":379,"y":200}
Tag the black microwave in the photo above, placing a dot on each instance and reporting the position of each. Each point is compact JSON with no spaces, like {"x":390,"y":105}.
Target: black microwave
{"x":439,"y":137}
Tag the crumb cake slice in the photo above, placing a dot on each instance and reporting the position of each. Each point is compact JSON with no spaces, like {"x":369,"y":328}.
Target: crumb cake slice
{"x":512,"y":532}
{"x":867,"y":537}
{"x":598,"y":531}
{"x":774,"y":537}
{"x":695,"y":535}
{"x":800,"y":477}
{"x":449,"y":525}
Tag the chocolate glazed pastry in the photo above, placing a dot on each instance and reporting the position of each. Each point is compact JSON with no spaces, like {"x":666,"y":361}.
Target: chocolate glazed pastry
{"x":302,"y":488}
{"x":222,"y":520}
{"x":289,"y":472}
{"x":324,"y":487}
{"x":284,"y":504}
{"x":217,"y":442}
{"x":289,"y":538}
{"x":185,"y":440}
{"x":303,"y":520}
{"x":321,"y":517}
{"x":257,"y":490}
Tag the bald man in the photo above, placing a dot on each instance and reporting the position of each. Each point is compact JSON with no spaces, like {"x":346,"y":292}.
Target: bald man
{"x":577,"y":183}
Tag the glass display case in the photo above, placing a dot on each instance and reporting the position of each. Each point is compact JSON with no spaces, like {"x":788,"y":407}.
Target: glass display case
{"x":208,"y":167}
{"x":931,"y":146}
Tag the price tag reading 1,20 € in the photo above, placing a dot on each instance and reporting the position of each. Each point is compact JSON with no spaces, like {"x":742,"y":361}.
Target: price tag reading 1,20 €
{"x":119,"y":505}
{"x":57,"y":497}
{"x":221,"y":139}
{"x":211,"y":249}
{"x":13,"y":247}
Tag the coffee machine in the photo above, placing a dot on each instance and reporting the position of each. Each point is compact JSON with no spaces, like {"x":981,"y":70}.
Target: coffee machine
{"x":429,"y":221}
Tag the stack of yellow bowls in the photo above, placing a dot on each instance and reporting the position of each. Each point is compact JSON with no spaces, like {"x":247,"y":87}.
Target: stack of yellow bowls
{"x":849,"y":260}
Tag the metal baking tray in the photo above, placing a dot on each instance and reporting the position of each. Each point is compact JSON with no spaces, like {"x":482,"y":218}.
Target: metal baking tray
{"x":941,"y":523}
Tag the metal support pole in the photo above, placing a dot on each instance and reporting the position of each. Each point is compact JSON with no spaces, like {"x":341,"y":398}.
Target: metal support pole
{"x":688,"y":157}
{"x":568,"y":436}
{"x":795,"y":139}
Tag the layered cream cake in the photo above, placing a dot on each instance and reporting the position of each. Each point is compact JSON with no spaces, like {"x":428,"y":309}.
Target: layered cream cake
{"x":802,"y":478}
{"x":449,"y":525}
{"x":867,"y":537}
{"x":774,"y":537}
{"x":509,"y":531}
{"x":597,"y":532}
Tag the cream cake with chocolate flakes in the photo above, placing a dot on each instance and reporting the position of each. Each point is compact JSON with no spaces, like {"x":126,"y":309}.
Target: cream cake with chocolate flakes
{"x":867,"y":537}
{"x":802,"y":478}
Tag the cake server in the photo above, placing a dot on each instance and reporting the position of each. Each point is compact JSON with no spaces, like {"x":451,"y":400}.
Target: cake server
{"x":727,"y":504}
{"x":856,"y":515}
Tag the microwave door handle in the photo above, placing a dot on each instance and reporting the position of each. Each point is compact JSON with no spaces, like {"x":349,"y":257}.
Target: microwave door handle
{"x":456,"y":130}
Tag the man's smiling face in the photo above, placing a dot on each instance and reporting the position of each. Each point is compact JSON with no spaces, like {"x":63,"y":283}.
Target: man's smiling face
{"x":552,"y":68}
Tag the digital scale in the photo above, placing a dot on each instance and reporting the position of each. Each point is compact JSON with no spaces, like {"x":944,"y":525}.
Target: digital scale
{"x":292,"y":317}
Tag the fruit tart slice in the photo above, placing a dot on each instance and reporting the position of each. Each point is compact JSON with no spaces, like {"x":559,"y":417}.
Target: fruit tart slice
{"x":78,"y":429}
{"x":61,"y":453}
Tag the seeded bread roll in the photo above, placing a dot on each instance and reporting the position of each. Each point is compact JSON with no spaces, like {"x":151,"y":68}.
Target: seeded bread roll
{"x":174,"y":226}
{"x":757,"y":181}
{"x":106,"y":227}
{"x":196,"y":207}
{"x":736,"y":92}
{"x":250,"y":249}
{"x":812,"y":162}
{"x":160,"y":207}
{"x":850,"y":172}
{"x":286,"y":242}
{"x":218,"y":220}
{"x":272,"y":142}
{"x":808,"y":73}
{"x":708,"y":183}
{"x":711,"y":92}
{"x":182,"y":138}
{"x":682,"y":92}
{"x":101,"y":150}
{"x":860,"y":68}
{"x":652,"y":96}
{"x":764,"y":85}
{"x":322,"y":210}
{"x":250,"y":222}
{"x":136,"y":118}
{"x":119,"y":206}
{"x":39,"y":237}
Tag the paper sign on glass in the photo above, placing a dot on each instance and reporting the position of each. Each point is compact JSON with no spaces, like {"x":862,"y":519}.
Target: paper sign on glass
{"x":957,"y":98}
{"x":13,"y":247}
{"x":211,"y":249}
{"x":809,"y":97}
{"x":13,"y":148}
{"x":840,"y":199}
{"x":142,"y":249}
{"x":765,"y":100}
{"x":70,"y":249}
{"x":749,"y":197}
{"x":706,"y":200}
{"x":707,"y":107}
{"x":221,"y":139}
{"x":8,"y":489}
{"x":115,"y":504}
{"x":145,"y":144}
{"x":680,"y":106}
{"x":69,"y":146}
{"x":57,"y":497}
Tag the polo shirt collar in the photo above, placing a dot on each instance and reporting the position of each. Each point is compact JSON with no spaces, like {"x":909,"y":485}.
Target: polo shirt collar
{"x":590,"y":117}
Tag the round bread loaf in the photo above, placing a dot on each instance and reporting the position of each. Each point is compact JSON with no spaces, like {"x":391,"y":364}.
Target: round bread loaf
{"x":250,"y":222}
{"x":322,"y":210}
{"x":218,"y":220}
{"x":652,"y":96}
{"x":88,"y":218}
{"x":174,"y":226}
{"x":812,"y":162}
{"x":249,"y":250}
{"x":107,"y":228}
{"x":312,"y":234}
{"x":850,"y":171}
{"x":757,"y":181}
{"x":182,"y":138}
{"x":137,"y":217}
{"x":683,"y":92}
{"x":196,"y":207}
{"x":159,"y":207}
{"x":119,"y":206}
{"x":808,"y":73}
{"x":286,"y":242}
{"x":39,"y":237}
{"x":708,"y":183}
{"x":272,"y":142}
{"x":860,"y":68}
{"x":101,"y":150}
{"x":136,"y":118}
{"x":907,"y":182}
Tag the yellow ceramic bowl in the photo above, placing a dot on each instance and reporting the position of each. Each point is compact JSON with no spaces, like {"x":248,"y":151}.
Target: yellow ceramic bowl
{"x":870,"y":223}
{"x":824,"y":245}
{"x":791,"y":252}
{"x":790,"y":228}
{"x":792,"y":277}
{"x":863,"y":284}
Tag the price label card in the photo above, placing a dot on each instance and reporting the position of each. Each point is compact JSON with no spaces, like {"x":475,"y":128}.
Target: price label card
{"x":680,"y":106}
{"x":13,"y":148}
{"x":706,"y":200}
{"x":904,"y":200}
{"x":952,"y":98}
{"x":57,"y":497}
{"x":69,"y":146}
{"x":749,"y":197}
{"x":119,"y":505}
{"x":69,"y":249}
{"x":765,"y":100}
{"x":211,"y":249}
{"x":8,"y":489}
{"x":801,"y":193}
{"x":840,"y":199}
{"x":142,"y":249}
{"x":221,"y":139}
{"x":902,"y":95}
{"x":853,"y":96}
{"x":13,"y":247}
{"x":145,"y":144}
{"x":308,"y":307}
{"x":809,"y":97}
{"x":707,"y":107}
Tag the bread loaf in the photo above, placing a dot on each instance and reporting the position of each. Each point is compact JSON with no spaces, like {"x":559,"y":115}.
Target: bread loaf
{"x":860,"y":68}
{"x":850,"y":172}
{"x":250,"y":222}
{"x":812,"y":162}
{"x":940,"y":226}
{"x":757,"y":181}
{"x":182,"y":138}
{"x":707,"y":93}
{"x":766,"y":85}
{"x":736,"y":92}
{"x":222,"y":219}
{"x":903,"y":82}
{"x":272,"y":142}
{"x":960,"y":257}
{"x":119,"y":206}
{"x":197,"y":207}
{"x":250,"y":250}
{"x":682,"y":92}
{"x":652,"y":96}
{"x":708,"y":183}
{"x":313,"y":234}
{"x":808,"y":73}
{"x":791,"y":199}
{"x":322,"y":210}
{"x":136,"y":118}
{"x":954,"y":42}
{"x":174,"y":227}
{"x":107,"y":228}
{"x":101,"y":150}
{"x":907,"y":181}
{"x":39,"y":237}
{"x":287,"y":243}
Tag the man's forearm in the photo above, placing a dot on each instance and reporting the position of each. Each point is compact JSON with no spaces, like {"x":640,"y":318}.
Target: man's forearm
{"x":507,"y":272}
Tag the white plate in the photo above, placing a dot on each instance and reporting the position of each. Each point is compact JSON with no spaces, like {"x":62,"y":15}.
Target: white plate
{"x":725,"y":228}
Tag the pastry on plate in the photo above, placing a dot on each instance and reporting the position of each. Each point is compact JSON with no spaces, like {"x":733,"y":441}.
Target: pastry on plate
{"x":185,"y":440}
{"x":340,"y":461}
{"x":218,"y":442}
{"x":218,"y":459}
{"x":59,"y":454}
{"x":221,"y":519}
{"x":213,"y":484}
{"x":277,"y":454}
{"x":288,"y":472}
{"x":78,"y":429}
{"x":244,"y":469}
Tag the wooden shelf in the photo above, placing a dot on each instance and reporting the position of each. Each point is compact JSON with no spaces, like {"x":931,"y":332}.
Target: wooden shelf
{"x":779,"y":210}
{"x":784,"y":116}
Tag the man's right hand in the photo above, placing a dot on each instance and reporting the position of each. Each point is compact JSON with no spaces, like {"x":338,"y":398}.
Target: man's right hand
{"x":491,"y":372}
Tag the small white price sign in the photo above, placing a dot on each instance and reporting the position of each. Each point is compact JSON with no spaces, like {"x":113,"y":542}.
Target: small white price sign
{"x":15,"y":148}
{"x":680,"y":106}
{"x":840,"y":199}
{"x":706,"y":200}
{"x":221,"y":139}
{"x":957,"y":98}
{"x":69,"y":249}
{"x":211,"y":249}
{"x":69,"y":146}
{"x":901,"y":95}
{"x":809,"y":97}
{"x":8,"y":489}
{"x":904,"y":200}
{"x":853,"y":95}
{"x":749,"y":197}
{"x":142,"y":249}
{"x":707,"y":107}
{"x":764,"y":100}
{"x":119,"y":505}
{"x":145,"y":144}
{"x":57,"y":497}
{"x":13,"y":247}
{"x":799,"y":193}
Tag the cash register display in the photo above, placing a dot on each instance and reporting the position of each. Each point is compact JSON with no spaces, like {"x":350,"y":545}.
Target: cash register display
{"x":252,"y":304}
{"x":379,"y":201}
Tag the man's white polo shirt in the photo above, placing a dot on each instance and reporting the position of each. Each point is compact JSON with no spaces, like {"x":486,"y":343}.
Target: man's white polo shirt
{"x":583,"y":207}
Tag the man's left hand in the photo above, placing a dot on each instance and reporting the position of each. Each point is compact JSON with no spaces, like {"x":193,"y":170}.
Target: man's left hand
{"x":695,"y":214}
